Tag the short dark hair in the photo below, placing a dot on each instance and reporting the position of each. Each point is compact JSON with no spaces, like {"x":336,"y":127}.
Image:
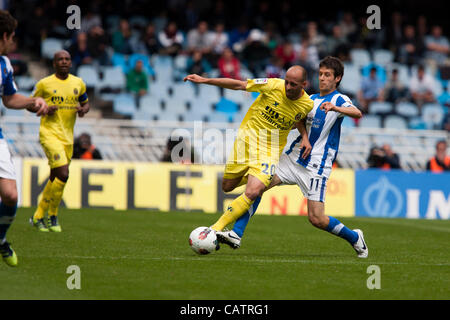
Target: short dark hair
{"x":7,"y":23}
{"x":334,"y":64}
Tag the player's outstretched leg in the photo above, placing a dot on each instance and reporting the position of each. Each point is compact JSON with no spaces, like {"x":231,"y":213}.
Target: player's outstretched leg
{"x":233,"y":238}
{"x":332,"y":225}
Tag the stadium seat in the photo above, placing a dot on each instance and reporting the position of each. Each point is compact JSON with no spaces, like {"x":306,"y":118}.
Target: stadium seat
{"x":380,"y":107}
{"x":417,"y":123}
{"x":383,"y":57}
{"x":433,"y":115}
{"x":132,"y":59}
{"x":192,"y":116}
{"x":119,"y":60}
{"x":218,"y":116}
{"x":124,"y":104}
{"x":407,"y":109}
{"x":49,"y":47}
{"x":169,"y":116}
{"x":352,"y":78}
{"x":238,"y":96}
{"x":150,"y":104}
{"x":381,"y":71}
{"x":13,"y":112}
{"x":174,"y":104}
{"x":360,"y":57}
{"x":113,"y":78}
{"x":159,"y":89}
{"x":227,"y":106}
{"x":183,"y":90}
{"x":395,"y":122}
{"x":209,"y":93}
{"x":348,"y":122}
{"x":89,"y":75}
{"x":370,"y":121}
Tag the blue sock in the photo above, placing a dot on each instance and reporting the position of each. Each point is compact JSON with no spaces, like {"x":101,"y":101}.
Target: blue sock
{"x":337,"y":228}
{"x":241,"y":223}
{"x":7,"y":215}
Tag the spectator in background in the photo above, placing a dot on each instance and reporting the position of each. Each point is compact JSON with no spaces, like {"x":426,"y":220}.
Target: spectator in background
{"x":137,"y":81}
{"x":121,"y":38}
{"x":316,"y":38}
{"x":218,"y":40}
{"x":238,"y":36}
{"x":197,"y":64}
{"x":256,"y":54}
{"x":90,"y":20}
{"x":421,"y":87}
{"x":286,"y":53}
{"x":383,"y":158}
{"x":36,"y":30}
{"x":412,"y":48}
{"x":97,"y":43}
{"x":437,"y":46}
{"x":171,"y":40}
{"x":84,"y":149}
{"x":348,"y":26}
{"x":307,"y":55}
{"x":395,"y":35}
{"x":19,"y":64}
{"x":440,"y":162}
{"x":229,"y":66}
{"x":275,"y":68}
{"x":371,"y":90}
{"x":336,"y":43}
{"x":79,"y":51}
{"x":395,"y":90}
{"x":199,"y":39}
{"x":272,"y":37}
{"x":149,"y":40}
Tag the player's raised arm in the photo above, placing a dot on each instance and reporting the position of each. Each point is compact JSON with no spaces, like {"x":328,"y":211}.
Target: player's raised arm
{"x":226,"y":83}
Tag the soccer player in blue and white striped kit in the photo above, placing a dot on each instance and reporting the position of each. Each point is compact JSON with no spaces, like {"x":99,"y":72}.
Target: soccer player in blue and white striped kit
{"x":11,"y":99}
{"x":308,"y":160}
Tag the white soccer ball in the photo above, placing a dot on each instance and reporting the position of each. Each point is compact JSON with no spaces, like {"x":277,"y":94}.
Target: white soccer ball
{"x":203,"y":240}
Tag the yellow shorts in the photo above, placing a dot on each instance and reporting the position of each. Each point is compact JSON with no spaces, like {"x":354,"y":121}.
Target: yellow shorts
{"x":241,"y":164}
{"x":58,"y":153}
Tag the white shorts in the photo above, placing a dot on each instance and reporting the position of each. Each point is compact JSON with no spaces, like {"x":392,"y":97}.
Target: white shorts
{"x":312,"y":185}
{"x":7,"y":169}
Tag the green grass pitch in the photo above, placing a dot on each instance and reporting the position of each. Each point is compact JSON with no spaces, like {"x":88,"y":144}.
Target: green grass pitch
{"x":145,"y":255}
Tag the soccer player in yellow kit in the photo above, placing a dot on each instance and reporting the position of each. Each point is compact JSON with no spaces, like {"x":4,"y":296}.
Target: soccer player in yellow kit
{"x":67,"y":94}
{"x":281,"y":105}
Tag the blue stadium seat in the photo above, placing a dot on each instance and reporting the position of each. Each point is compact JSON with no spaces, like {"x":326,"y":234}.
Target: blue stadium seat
{"x":119,"y":60}
{"x":380,"y":107}
{"x":381,"y":71}
{"x":227,"y":106}
{"x":417,"y":123}
{"x":124,"y":104}
{"x":395,"y":122}
{"x":407,"y":109}
{"x":370,"y":121}
{"x":433,"y":115}
{"x":132,"y":59}
{"x":49,"y":47}
{"x":89,"y":75}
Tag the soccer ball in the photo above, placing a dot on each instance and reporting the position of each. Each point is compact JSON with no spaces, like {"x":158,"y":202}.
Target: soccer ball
{"x":203,"y":240}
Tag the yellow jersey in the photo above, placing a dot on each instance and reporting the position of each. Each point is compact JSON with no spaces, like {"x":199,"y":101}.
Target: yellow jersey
{"x":66,"y":95}
{"x":271,"y":116}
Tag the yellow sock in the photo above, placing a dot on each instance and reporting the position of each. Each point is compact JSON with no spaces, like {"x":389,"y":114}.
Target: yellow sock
{"x":45,"y":201}
{"x":57,"y":192}
{"x":237,"y":208}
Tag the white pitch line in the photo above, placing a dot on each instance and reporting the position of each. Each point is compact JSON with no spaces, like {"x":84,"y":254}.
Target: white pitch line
{"x":251,"y":260}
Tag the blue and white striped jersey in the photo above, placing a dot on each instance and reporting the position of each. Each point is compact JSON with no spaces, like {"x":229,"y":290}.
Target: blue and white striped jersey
{"x":324,"y":131}
{"x":7,"y":85}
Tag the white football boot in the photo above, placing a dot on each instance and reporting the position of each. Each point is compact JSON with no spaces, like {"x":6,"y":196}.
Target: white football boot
{"x":229,"y":238}
{"x":360,"y":245}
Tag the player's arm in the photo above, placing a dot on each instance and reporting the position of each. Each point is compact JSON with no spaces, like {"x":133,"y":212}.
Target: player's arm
{"x":84,"y":106}
{"x":82,"y":109}
{"x":304,"y":144}
{"x":350,"y":111}
{"x":225,"y":83}
{"x":33,"y":104}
